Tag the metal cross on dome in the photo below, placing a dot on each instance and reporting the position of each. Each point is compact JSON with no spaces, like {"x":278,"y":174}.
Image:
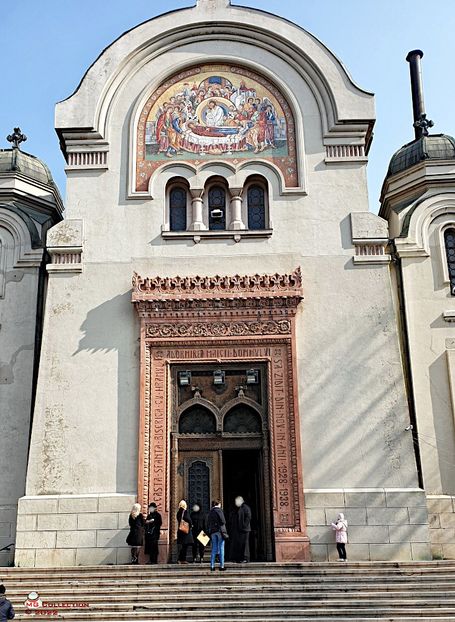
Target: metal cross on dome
{"x":423,"y":123}
{"x":16,"y":138}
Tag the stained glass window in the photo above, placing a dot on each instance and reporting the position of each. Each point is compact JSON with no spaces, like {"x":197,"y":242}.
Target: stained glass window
{"x":217,"y":208}
{"x":256,"y":207}
{"x":449,"y":239}
{"x":177,"y":208}
{"x":242,"y":419}
{"x":197,"y":420}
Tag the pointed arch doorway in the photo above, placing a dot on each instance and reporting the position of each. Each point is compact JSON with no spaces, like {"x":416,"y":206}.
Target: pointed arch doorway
{"x":220,"y":325}
{"x":221,"y":446}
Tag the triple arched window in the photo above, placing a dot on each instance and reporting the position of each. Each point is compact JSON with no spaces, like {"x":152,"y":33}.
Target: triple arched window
{"x":217,"y":208}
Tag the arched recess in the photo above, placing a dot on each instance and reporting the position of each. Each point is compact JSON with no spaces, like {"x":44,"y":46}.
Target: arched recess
{"x":22,"y":252}
{"x":416,"y":226}
{"x":212,"y":110}
{"x":242,"y":419}
{"x":197,"y":419}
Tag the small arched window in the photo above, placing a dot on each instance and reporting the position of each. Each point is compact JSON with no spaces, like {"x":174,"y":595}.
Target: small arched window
{"x":217,"y":208}
{"x":242,"y":419}
{"x":256,"y":206}
{"x":449,"y":241}
{"x":197,"y":420}
{"x":177,"y":208}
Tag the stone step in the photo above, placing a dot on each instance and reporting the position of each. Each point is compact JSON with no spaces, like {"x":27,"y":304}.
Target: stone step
{"x":250,"y":593}
{"x":223,"y":592}
{"x":281,"y":614}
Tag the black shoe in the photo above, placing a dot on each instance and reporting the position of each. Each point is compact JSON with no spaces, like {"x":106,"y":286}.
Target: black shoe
{"x":222,"y":569}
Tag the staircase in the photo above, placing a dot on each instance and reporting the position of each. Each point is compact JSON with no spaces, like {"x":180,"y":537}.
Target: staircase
{"x":321,"y":592}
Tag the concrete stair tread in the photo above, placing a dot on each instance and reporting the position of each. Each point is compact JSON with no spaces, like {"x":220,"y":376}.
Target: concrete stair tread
{"x":251,"y":593}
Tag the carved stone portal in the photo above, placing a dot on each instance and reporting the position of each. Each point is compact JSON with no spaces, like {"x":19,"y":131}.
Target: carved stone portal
{"x":220,"y":320}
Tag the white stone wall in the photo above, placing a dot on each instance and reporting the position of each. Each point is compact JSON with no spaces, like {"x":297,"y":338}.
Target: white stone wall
{"x":383,"y":524}
{"x":76,"y":530}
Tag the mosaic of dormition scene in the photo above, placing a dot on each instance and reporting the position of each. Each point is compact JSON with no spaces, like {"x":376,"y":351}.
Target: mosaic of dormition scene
{"x":215,"y":112}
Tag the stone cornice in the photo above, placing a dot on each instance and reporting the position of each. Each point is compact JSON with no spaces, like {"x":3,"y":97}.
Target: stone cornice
{"x":216,"y":288}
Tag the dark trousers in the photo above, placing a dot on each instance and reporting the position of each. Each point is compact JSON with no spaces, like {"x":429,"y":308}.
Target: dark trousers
{"x":183,"y":552}
{"x":243,"y":547}
{"x":341,"y":548}
{"x":198,"y":547}
{"x":153,"y":551}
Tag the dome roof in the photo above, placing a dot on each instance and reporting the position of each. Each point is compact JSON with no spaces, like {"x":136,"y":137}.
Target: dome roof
{"x":435,"y":147}
{"x":17,"y":161}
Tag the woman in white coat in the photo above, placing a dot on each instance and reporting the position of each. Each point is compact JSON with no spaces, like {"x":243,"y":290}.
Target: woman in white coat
{"x":340,"y":526}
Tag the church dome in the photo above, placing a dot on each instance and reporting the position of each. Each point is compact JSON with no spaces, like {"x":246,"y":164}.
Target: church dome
{"x":17,"y":161}
{"x":434,"y":147}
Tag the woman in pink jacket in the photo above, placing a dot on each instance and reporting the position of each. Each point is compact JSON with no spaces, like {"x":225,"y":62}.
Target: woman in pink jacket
{"x":340,"y":526}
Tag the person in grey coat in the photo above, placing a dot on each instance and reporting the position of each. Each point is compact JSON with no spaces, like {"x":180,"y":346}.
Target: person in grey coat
{"x":6,"y":608}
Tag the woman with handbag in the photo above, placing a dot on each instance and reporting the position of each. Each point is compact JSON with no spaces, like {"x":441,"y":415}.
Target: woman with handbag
{"x":184,"y":535}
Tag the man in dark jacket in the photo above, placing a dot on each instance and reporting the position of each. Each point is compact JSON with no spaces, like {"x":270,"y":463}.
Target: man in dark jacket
{"x":241,"y":546}
{"x":153,"y":524}
{"x":198,"y":519}
{"x":6,"y":608}
{"x":216,"y":526}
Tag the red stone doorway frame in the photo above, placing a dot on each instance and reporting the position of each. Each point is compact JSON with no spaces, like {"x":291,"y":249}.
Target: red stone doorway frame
{"x":216,"y":320}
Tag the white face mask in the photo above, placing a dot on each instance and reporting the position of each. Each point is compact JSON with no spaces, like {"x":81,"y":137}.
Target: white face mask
{"x":196,"y":508}
{"x":238,"y":502}
{"x":151,"y":510}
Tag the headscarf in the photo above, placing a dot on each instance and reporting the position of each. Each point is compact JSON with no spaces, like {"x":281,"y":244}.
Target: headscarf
{"x":341,"y":519}
{"x":183,"y":504}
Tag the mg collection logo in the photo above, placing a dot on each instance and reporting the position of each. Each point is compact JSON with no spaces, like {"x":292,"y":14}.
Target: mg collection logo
{"x":36,"y":606}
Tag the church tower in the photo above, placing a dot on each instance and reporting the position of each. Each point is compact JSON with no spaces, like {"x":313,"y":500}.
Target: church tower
{"x":30,"y":204}
{"x":418,"y":200}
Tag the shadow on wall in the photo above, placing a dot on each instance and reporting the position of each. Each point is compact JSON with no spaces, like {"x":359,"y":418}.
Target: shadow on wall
{"x":114,"y":326}
{"x":357,"y":393}
{"x":443,"y":442}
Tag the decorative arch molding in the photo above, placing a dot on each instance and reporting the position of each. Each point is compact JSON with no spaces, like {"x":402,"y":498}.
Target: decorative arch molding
{"x":200,"y":401}
{"x":347,"y":112}
{"x":240,"y":401}
{"x":197,"y":176}
{"x":236,"y":413}
{"x":24,"y":255}
{"x":414,"y":240}
{"x":216,"y":108}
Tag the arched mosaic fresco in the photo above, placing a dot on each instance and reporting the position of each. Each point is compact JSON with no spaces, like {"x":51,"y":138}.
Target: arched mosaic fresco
{"x":218,"y":112}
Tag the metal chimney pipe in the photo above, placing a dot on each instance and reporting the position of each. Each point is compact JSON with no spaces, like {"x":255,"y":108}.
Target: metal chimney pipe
{"x":418,"y":104}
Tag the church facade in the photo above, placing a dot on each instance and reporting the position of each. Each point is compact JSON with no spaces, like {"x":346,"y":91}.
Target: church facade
{"x":221,"y":314}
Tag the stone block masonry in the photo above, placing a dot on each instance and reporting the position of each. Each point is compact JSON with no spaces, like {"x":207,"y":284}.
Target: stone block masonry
{"x":72,"y":530}
{"x":7,"y":532}
{"x":441,"y":516}
{"x":384,"y":523}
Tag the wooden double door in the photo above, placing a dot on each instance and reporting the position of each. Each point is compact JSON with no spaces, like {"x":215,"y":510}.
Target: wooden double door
{"x":234,"y":467}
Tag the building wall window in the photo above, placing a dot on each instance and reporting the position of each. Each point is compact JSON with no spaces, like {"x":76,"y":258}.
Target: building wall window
{"x":177,"y":208}
{"x":217,"y":208}
{"x":449,"y":241}
{"x":256,"y":207}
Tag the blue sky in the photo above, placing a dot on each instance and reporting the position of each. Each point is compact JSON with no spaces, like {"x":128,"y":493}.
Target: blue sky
{"x":47,"y":45}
